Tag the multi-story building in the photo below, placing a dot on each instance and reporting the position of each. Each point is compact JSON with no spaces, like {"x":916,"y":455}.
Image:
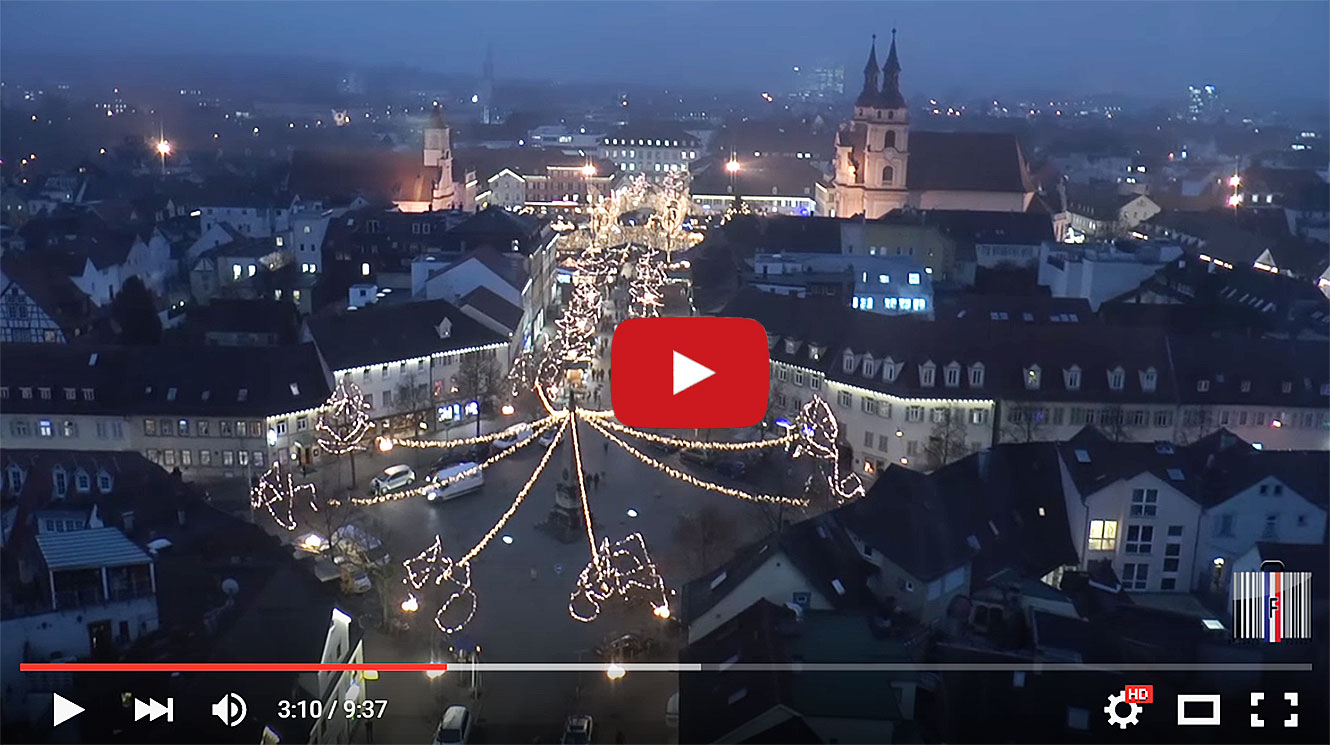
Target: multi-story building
{"x":1100,"y":272}
{"x":1171,"y":518}
{"x":923,"y":394}
{"x":212,"y":412}
{"x":650,"y":148}
{"x":1203,"y":103}
{"x":41,"y":303}
{"x":542,"y":179}
{"x":892,"y":285}
{"x":769,"y":185}
{"x":410,"y":360}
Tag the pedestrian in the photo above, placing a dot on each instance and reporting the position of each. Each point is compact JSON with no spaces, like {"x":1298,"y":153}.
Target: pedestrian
{"x":595,"y":481}
{"x":533,"y":574}
{"x":606,"y":446}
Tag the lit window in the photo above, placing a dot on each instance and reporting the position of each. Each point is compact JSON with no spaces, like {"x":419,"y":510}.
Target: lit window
{"x":236,"y":271}
{"x":883,"y":278}
{"x":364,"y":269}
{"x":1103,"y":535}
{"x":914,"y":278}
{"x":919,"y":303}
{"x":252,"y":270}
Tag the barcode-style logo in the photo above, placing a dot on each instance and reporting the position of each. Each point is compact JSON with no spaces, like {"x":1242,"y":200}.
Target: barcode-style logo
{"x":1273,"y":606}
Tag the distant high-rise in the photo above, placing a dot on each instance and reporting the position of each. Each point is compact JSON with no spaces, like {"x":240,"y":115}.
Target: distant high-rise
{"x":486,"y":92}
{"x":1203,"y":103}
{"x":824,"y":81}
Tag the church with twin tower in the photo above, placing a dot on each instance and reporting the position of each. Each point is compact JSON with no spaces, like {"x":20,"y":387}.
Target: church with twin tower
{"x":881,"y":165}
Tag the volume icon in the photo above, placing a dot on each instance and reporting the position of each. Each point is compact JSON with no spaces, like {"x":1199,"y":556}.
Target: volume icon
{"x":231,"y":709}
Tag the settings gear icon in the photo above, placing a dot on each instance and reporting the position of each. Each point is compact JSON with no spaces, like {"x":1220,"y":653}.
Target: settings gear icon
{"x":1116,"y":700}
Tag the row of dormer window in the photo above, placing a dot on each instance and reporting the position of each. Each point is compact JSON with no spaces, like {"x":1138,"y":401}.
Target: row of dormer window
{"x":46,"y":392}
{"x":16,"y":476}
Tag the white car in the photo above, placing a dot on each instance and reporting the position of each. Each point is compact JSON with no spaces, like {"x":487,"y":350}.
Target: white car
{"x":455,"y":727}
{"x":514,"y":435}
{"x":393,"y":478}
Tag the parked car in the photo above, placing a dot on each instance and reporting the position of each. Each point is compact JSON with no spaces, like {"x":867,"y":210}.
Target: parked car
{"x":577,"y":730}
{"x":393,"y":478}
{"x":442,"y":492}
{"x":547,"y":437}
{"x":664,"y":448}
{"x":462,"y":454}
{"x":723,"y":462}
{"x":454,"y":727}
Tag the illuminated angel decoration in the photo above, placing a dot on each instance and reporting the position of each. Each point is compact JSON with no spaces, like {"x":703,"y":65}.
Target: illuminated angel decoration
{"x":819,"y":435}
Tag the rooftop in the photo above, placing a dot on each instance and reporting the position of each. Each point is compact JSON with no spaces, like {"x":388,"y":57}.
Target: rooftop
{"x":89,"y":549}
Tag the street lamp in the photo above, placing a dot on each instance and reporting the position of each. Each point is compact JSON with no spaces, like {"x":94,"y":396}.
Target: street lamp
{"x":411,"y":604}
{"x":615,"y":671}
{"x":163,"y":150}
{"x":732,"y":165}
{"x":507,"y":409}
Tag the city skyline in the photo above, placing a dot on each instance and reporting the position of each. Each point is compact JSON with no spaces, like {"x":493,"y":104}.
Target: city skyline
{"x":967,"y":48}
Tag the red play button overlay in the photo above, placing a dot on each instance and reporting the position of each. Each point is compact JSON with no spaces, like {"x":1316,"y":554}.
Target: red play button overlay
{"x":689,"y":372}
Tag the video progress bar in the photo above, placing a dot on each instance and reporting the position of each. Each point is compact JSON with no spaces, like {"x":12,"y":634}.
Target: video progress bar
{"x":667,"y":667}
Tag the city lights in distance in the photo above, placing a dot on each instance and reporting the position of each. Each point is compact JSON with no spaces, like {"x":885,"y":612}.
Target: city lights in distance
{"x":163,"y":147}
{"x":732,"y":166}
{"x":588,"y":170}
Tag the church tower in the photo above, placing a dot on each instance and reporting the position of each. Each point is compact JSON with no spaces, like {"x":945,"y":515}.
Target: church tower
{"x":439,"y":155}
{"x":872,"y":150}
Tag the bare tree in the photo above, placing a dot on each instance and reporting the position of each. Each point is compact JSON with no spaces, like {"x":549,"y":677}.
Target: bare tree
{"x":1113,"y":423}
{"x":1022,"y":422}
{"x":479,"y":380}
{"x":411,"y":397}
{"x":703,"y":533}
{"x":344,"y":423}
{"x":946,"y":442}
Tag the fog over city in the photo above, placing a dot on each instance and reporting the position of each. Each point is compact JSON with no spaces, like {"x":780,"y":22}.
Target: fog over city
{"x":1146,"y":49}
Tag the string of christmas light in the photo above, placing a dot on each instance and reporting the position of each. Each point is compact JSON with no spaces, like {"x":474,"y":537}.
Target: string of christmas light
{"x":619,"y":570}
{"x":689,"y":478}
{"x":581,"y":490}
{"x":782,"y":441}
{"x":388,"y":443}
{"x":521,"y":495}
{"x":465,"y":474}
{"x":277,"y":487}
{"x":344,"y":420}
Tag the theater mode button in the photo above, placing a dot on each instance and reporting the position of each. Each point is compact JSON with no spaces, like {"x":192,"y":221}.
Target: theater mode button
{"x":689,"y":372}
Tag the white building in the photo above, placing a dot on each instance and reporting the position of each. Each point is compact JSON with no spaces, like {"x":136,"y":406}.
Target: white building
{"x":412,"y":373}
{"x":1101,"y":271}
{"x":892,"y":285}
{"x":653,"y":149}
{"x":1171,"y":518}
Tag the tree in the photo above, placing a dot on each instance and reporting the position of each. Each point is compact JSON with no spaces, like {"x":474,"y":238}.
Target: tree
{"x":411,"y":397}
{"x":1022,"y":422}
{"x":947,"y":441}
{"x":344,"y":422}
{"x":135,"y":313}
{"x":479,"y":380}
{"x":701,"y":534}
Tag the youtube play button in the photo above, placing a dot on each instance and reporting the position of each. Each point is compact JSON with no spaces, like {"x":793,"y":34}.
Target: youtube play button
{"x":689,"y":372}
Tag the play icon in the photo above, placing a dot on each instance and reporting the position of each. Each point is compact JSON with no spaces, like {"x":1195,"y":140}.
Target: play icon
{"x":696,"y":372}
{"x":688,"y":373}
{"x":63,"y":710}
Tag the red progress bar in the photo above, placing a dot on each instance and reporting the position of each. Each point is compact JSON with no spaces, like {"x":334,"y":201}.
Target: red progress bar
{"x":227,"y":667}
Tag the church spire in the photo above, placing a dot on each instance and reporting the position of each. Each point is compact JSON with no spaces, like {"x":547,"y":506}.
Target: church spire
{"x":868,"y":97}
{"x":891,"y":83}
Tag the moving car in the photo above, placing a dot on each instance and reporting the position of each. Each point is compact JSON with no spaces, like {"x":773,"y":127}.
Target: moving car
{"x":439,"y":491}
{"x":455,"y":727}
{"x":516,"y":434}
{"x":577,"y":730}
{"x":393,"y":478}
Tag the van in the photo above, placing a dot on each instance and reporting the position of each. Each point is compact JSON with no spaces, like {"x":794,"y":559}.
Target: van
{"x":441,"y":492}
{"x":393,"y":478}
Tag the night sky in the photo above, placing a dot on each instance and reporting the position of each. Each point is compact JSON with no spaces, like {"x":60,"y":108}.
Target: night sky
{"x":1253,"y":50}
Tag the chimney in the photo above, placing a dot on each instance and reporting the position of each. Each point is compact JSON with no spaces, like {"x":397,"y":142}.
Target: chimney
{"x":127,"y":518}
